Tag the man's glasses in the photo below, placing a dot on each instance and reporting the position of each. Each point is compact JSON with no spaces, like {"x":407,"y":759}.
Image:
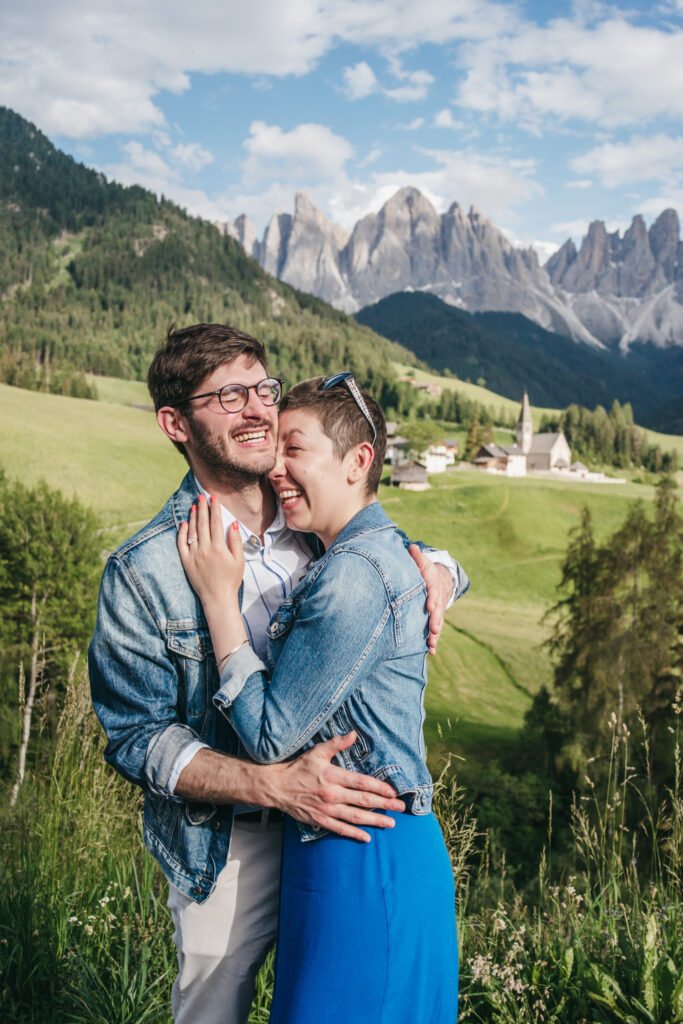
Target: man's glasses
{"x":234,"y":397}
{"x":347,"y":378}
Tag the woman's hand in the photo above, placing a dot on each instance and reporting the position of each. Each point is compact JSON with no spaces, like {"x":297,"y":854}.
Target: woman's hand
{"x":214,"y":568}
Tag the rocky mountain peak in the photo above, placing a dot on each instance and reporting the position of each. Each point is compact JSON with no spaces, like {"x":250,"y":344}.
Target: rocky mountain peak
{"x":590,"y":294}
{"x":664,"y":238}
{"x":246,"y":235}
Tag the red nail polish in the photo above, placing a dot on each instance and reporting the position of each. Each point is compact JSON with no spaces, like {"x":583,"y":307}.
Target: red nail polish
{"x":235,"y":525}
{"x":200,"y":498}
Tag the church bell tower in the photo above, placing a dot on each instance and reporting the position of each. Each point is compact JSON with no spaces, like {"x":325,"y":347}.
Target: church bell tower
{"x":525,"y":428}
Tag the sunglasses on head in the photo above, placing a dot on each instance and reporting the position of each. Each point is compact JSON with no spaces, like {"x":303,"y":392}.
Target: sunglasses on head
{"x":346,"y":377}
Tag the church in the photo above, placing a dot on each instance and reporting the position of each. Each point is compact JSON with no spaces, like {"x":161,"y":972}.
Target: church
{"x":532,"y":453}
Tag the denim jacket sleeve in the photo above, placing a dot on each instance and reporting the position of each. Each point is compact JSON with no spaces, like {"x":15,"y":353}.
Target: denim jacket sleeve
{"x":333,"y":645}
{"x":461,"y":581}
{"x":134,"y":685}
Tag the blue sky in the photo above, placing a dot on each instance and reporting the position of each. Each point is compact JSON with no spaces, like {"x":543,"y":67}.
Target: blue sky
{"x":544,"y":116}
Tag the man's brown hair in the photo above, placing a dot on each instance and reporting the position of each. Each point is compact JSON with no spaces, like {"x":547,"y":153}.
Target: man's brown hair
{"x":342,"y":420}
{"x":190,"y":355}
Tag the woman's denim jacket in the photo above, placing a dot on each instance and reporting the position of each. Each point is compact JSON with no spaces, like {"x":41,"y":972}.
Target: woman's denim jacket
{"x":153,"y":678}
{"x":347,"y":650}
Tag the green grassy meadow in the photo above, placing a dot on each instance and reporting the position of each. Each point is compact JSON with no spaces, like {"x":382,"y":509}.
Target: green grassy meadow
{"x":86,"y":937}
{"x":667,"y":442}
{"x":509,"y":534}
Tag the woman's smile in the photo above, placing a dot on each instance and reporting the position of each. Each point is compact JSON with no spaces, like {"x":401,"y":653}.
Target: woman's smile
{"x":311,"y":481}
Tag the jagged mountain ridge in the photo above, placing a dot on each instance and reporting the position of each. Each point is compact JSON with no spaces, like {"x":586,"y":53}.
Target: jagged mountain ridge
{"x":613,"y":289}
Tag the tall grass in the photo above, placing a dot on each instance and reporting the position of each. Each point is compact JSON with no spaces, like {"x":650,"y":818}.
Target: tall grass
{"x":601,"y":942}
{"x":85,"y":934}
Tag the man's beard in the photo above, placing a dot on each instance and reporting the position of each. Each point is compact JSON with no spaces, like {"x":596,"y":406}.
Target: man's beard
{"x":216,"y":456}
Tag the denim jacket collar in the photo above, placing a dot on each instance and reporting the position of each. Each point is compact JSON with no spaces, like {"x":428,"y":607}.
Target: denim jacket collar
{"x":371,"y":517}
{"x":183,"y":499}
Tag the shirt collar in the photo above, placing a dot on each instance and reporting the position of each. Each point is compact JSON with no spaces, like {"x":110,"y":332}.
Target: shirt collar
{"x":278,"y":524}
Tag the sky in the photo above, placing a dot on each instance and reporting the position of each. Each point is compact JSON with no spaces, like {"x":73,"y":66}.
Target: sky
{"x":545,"y":116}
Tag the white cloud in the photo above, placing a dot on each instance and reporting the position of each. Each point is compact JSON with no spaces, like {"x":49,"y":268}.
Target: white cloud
{"x":496,"y":187}
{"x":80,"y":70}
{"x":192,"y":155}
{"x":147,"y":161}
{"x":544,"y":250}
{"x":609,"y":72}
{"x":445,"y":119}
{"x":641,"y":158}
{"x":372,"y":157}
{"x":359,"y":81}
{"x":307,"y":153}
{"x":580,"y":183}
{"x":310,"y":156}
{"x":147,"y":168}
{"x":414,"y":88}
{"x":575,"y":229}
{"x":412,"y":126}
{"x":655,"y":205}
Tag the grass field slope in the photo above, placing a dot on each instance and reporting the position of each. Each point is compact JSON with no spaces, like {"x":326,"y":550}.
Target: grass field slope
{"x":510,"y":536}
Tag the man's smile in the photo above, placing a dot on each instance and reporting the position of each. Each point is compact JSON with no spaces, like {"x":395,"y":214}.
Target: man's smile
{"x":252,"y":437}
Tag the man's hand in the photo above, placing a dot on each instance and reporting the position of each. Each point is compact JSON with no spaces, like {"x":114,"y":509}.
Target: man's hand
{"x":314,"y":791}
{"x":439,"y":583}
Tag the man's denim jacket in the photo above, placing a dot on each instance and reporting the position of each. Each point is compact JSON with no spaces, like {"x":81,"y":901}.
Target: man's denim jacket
{"x":153,"y":679}
{"x":347,"y":650}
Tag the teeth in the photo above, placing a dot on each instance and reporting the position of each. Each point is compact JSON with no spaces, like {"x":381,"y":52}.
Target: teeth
{"x":285,"y":495}
{"x":255,"y":435}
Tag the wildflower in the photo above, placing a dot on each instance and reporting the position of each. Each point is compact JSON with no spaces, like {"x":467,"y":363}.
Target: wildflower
{"x":3,"y":942}
{"x":73,"y":919}
{"x":88,"y":929}
{"x":103,"y":902}
{"x":127,"y":893}
{"x":35,"y":933}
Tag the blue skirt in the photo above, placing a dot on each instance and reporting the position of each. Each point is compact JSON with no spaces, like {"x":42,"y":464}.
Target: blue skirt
{"x":367,"y":930}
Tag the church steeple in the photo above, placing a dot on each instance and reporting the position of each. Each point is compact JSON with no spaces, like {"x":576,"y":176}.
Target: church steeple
{"x":525,"y":428}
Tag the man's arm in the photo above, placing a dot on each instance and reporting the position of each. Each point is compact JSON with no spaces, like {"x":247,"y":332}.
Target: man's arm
{"x":445,"y":581}
{"x":310,"y":789}
{"x":135,"y":692}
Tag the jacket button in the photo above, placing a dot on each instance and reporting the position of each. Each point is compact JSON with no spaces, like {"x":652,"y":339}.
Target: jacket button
{"x":195,"y":891}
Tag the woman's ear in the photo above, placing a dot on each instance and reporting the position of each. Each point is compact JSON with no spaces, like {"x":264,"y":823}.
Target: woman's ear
{"x":361,"y":459}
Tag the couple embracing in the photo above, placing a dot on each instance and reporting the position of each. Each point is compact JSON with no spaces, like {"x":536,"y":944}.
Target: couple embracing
{"x":258,"y":665}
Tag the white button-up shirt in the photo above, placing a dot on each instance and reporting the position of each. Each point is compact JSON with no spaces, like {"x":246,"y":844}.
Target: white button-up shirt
{"x":271,"y":571}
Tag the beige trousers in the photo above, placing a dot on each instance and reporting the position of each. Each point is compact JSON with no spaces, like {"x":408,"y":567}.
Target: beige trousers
{"x":222,"y":942}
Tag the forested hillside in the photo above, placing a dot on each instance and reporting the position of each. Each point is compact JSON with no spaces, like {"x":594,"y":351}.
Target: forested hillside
{"x":511,"y":352}
{"x":91,"y":273}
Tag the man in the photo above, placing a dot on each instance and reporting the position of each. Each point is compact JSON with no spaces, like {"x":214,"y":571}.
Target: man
{"x":153,"y":677}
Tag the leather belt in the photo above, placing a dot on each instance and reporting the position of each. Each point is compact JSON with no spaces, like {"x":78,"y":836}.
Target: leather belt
{"x":272,"y":816}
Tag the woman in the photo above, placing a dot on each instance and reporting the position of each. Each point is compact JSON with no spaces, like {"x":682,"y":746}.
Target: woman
{"x":367,"y":932}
